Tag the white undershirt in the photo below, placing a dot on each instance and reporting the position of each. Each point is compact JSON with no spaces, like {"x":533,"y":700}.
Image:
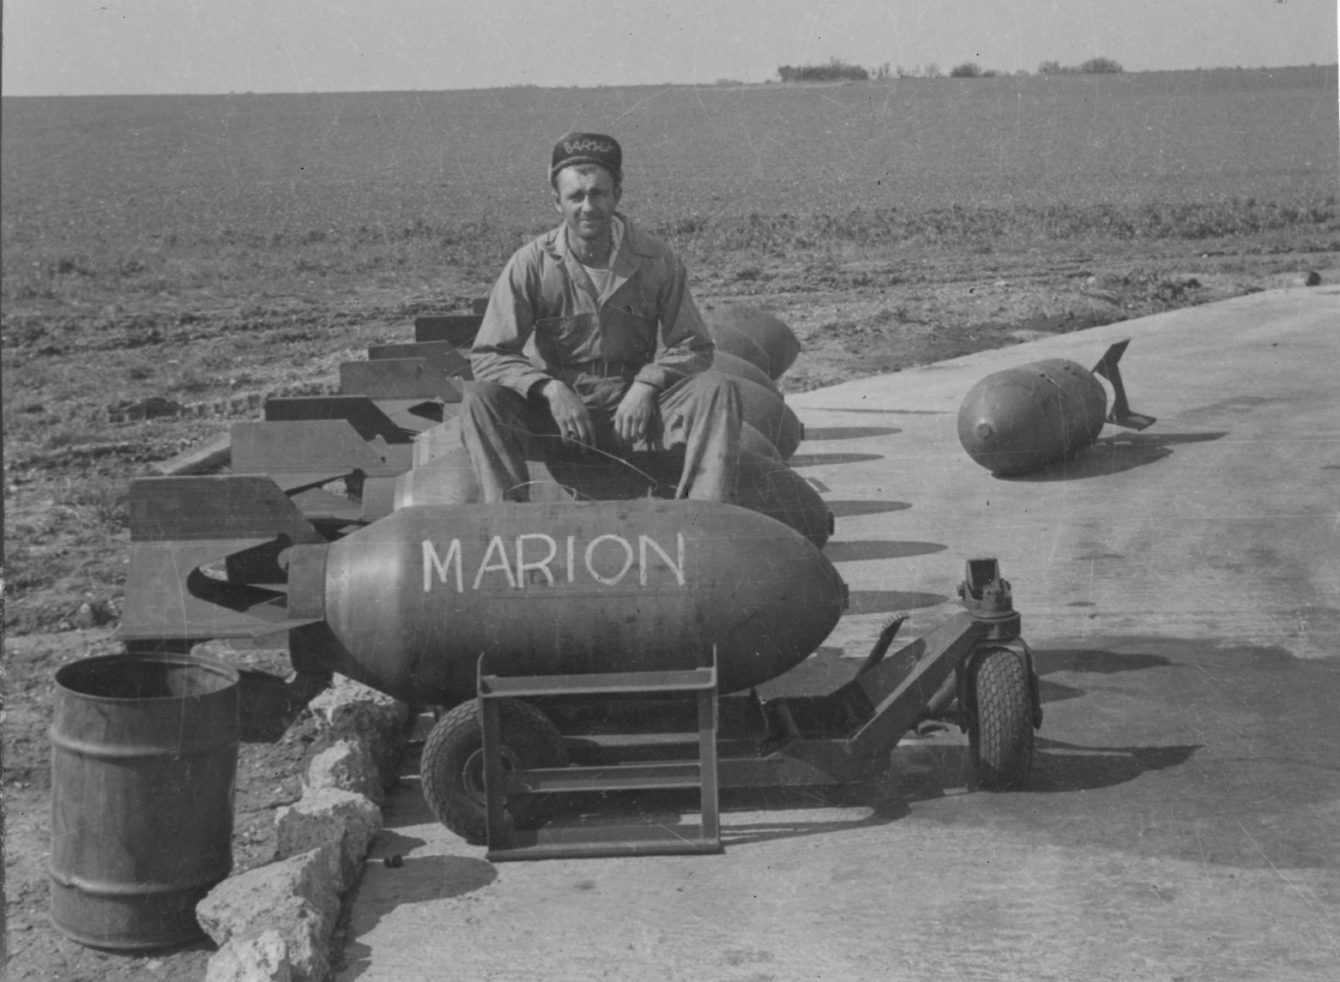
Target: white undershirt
{"x":603,"y":277}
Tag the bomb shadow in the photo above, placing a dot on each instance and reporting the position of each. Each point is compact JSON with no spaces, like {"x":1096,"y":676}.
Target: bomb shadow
{"x":800,"y":811}
{"x":787,"y":812}
{"x":862,"y":550}
{"x":817,"y":433}
{"x":1113,"y":455}
{"x":1082,"y":660}
{"x":1057,"y":767}
{"x":845,"y":508}
{"x":818,"y":459}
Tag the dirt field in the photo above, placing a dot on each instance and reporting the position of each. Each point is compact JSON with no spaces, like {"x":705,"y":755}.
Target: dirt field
{"x":170,"y":263}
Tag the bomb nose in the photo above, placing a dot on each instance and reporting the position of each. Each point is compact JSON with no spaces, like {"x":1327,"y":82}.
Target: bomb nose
{"x":984,"y":431}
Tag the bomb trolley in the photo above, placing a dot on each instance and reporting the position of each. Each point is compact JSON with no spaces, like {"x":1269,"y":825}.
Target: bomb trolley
{"x":490,"y":763}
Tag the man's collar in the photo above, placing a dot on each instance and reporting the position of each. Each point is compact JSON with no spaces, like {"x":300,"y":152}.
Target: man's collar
{"x":617,"y":226}
{"x":633,"y":241}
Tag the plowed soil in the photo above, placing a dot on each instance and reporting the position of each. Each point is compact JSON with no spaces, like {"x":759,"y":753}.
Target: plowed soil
{"x":131,"y":334}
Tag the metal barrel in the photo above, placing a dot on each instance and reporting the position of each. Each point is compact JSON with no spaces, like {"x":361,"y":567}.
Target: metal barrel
{"x":143,"y":770}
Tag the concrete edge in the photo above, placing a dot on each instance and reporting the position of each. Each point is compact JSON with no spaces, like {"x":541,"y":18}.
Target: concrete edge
{"x":277,"y":921}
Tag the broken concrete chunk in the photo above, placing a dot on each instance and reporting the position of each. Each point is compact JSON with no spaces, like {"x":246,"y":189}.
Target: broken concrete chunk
{"x":330,"y":817}
{"x":261,"y":959}
{"x":298,"y":899}
{"x":346,"y":765}
{"x":351,"y":709}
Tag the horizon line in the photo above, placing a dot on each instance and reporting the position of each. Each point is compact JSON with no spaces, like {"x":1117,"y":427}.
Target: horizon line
{"x":718,"y":84}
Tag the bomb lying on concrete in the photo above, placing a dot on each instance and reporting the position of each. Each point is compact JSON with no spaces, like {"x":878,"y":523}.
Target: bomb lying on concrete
{"x":408,"y":603}
{"x":1024,"y":418}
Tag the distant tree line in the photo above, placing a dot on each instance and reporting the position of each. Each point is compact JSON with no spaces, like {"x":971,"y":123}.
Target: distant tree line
{"x":1094,"y":66}
{"x":970,"y":69}
{"x":838,"y":70}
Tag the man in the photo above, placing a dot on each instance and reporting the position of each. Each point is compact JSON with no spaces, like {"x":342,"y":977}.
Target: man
{"x":592,"y":342}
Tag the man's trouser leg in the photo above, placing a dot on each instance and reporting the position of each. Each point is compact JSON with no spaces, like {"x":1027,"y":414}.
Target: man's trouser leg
{"x":703,"y":412}
{"x":496,"y":424}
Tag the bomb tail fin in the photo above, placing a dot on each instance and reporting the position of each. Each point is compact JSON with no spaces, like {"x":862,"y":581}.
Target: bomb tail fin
{"x":1121,"y":414}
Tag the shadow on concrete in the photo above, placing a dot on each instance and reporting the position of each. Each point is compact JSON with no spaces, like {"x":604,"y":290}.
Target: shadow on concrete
{"x":815,"y":459}
{"x":410,"y":808}
{"x":848,"y":432}
{"x":1234,"y":404}
{"x":871,"y":808}
{"x":788,"y":812}
{"x":1093,"y":660}
{"x":882,"y":412}
{"x":860,"y":550}
{"x":1056,"y":692}
{"x":890,"y":601}
{"x":1059,"y":766}
{"x":440,"y":877}
{"x":1113,"y":455}
{"x":847,"y":509}
{"x":389,"y":842}
{"x":421,"y":878}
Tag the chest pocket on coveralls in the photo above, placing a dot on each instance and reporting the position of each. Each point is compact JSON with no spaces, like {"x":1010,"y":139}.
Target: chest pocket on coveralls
{"x":634,"y":336}
{"x":566,"y":339}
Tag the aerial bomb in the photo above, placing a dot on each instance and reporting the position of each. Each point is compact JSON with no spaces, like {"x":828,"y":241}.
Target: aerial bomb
{"x":1024,"y":418}
{"x":740,"y":345}
{"x":778,"y":341}
{"x":408,"y":603}
{"x":771,"y":488}
{"x":766,"y":411}
{"x":766,"y":484}
{"x":446,"y":479}
{"x":728,"y":364}
{"x":752,"y":439}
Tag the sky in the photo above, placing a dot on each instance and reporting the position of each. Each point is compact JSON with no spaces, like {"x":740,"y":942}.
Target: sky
{"x":107,"y":47}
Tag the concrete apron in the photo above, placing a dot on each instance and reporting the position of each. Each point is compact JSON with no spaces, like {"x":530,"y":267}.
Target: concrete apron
{"x":1182,"y":588}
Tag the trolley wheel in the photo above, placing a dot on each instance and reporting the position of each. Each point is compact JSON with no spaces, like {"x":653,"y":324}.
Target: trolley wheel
{"x":452,"y":764}
{"x":1000,"y":719}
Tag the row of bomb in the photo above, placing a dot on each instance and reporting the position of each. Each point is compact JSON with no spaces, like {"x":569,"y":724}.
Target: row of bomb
{"x":753,"y":348}
{"x":390,"y":434}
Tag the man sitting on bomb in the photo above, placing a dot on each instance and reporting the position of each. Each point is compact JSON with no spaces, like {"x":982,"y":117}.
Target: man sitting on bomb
{"x":592,"y":341}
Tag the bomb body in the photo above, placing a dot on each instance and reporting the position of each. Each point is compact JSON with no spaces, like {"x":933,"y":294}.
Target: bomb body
{"x":1022,"y":419}
{"x":412,"y":601}
{"x":1025,"y":418}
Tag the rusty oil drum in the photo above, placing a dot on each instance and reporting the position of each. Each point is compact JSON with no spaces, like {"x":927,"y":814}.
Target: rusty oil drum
{"x":143,"y":770}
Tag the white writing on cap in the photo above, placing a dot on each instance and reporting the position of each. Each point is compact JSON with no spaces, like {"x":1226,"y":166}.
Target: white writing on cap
{"x":586,"y":146}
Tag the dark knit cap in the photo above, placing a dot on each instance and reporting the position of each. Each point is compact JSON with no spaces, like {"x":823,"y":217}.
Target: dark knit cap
{"x":587,"y":148}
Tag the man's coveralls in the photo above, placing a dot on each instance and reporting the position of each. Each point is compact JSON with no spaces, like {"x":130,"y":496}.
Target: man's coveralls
{"x":545,"y":321}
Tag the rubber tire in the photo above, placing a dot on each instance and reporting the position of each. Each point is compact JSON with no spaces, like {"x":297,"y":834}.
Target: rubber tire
{"x":451,"y":766}
{"x":1000,"y":724}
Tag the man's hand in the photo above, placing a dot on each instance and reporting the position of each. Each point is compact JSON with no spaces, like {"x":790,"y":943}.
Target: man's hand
{"x":569,"y":412}
{"x":633,"y":417}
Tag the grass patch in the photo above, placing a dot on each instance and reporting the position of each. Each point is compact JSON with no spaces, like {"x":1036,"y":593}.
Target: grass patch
{"x":294,"y":260}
